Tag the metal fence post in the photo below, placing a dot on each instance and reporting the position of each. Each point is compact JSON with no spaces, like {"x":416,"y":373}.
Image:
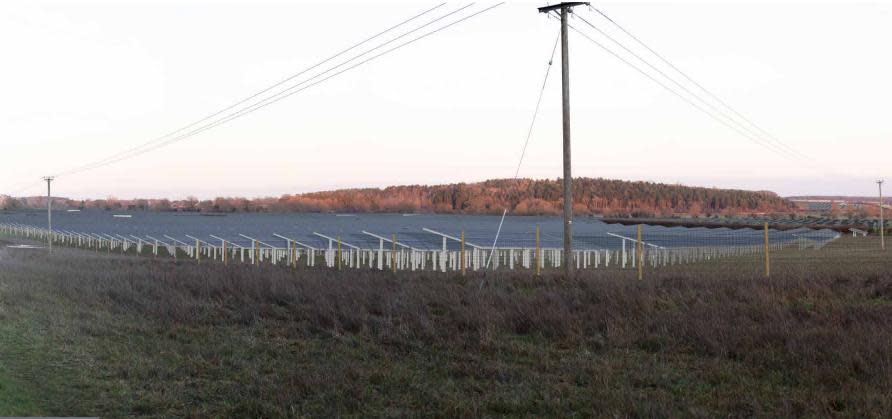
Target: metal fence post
{"x":339,"y":253}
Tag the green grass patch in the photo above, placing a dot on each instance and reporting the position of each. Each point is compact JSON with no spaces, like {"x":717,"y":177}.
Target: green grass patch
{"x":87,"y":334}
{"x":14,"y":400}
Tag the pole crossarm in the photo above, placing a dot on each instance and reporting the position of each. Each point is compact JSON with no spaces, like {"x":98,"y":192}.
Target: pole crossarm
{"x":567,"y":4}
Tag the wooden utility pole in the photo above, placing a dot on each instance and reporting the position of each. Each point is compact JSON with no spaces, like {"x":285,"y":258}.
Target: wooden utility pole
{"x":882,"y":223}
{"x":767,"y":252}
{"x":49,"y":214}
{"x":565,"y":9}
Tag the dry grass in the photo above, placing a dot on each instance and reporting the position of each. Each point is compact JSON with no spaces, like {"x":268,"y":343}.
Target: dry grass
{"x":89,"y":334}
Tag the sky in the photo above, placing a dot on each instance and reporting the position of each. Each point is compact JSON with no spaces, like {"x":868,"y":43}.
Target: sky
{"x":83,"y":80}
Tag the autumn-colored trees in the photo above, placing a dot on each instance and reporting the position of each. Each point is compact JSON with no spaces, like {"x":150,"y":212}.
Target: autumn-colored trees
{"x":539,"y":197}
{"x":520,"y":197}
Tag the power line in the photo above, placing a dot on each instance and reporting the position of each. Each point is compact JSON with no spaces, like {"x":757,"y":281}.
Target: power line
{"x":700,"y":86}
{"x":721,"y":112}
{"x":525,"y":144}
{"x":757,"y":140}
{"x":25,"y":188}
{"x":669,"y":89}
{"x":538,"y":104}
{"x":251,"y":97}
{"x":287,"y":93}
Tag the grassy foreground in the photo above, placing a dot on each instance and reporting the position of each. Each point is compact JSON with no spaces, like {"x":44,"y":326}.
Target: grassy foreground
{"x":91,"y":334}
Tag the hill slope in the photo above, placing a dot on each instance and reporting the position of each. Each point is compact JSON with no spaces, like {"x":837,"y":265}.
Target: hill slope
{"x":522,"y":197}
{"x":534,"y":197}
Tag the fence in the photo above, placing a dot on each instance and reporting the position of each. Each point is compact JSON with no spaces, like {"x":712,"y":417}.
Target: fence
{"x":429,"y":250}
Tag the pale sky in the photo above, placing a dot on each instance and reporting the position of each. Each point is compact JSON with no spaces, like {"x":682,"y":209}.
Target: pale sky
{"x":81,"y":80}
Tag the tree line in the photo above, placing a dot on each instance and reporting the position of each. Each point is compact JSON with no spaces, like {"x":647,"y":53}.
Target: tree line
{"x":591,"y":196}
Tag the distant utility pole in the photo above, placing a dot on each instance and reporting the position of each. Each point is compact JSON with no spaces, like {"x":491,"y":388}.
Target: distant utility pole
{"x":882,"y":223}
{"x":565,"y":9}
{"x":49,"y":213}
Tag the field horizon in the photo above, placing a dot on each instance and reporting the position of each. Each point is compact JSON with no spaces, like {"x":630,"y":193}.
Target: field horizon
{"x":519,"y":196}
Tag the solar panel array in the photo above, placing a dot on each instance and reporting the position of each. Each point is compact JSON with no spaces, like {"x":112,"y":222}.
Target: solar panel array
{"x":421,"y":232}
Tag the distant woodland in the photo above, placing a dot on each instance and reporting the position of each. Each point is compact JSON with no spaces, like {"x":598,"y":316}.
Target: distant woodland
{"x":520,"y":197}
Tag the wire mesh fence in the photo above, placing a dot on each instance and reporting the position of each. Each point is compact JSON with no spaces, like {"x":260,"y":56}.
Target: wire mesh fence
{"x":637,"y":250}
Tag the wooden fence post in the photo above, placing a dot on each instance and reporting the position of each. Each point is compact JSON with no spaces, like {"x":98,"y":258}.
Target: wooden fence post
{"x":639,"y":250}
{"x":393,"y":252}
{"x":538,"y":253}
{"x":767,"y":255}
{"x":293,"y":247}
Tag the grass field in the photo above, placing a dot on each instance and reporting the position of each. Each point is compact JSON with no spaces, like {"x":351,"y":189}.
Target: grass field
{"x":92,"y":334}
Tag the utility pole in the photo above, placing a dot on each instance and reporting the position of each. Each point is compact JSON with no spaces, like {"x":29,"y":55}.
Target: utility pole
{"x":565,"y":10}
{"x":49,"y":213}
{"x":882,"y":224}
